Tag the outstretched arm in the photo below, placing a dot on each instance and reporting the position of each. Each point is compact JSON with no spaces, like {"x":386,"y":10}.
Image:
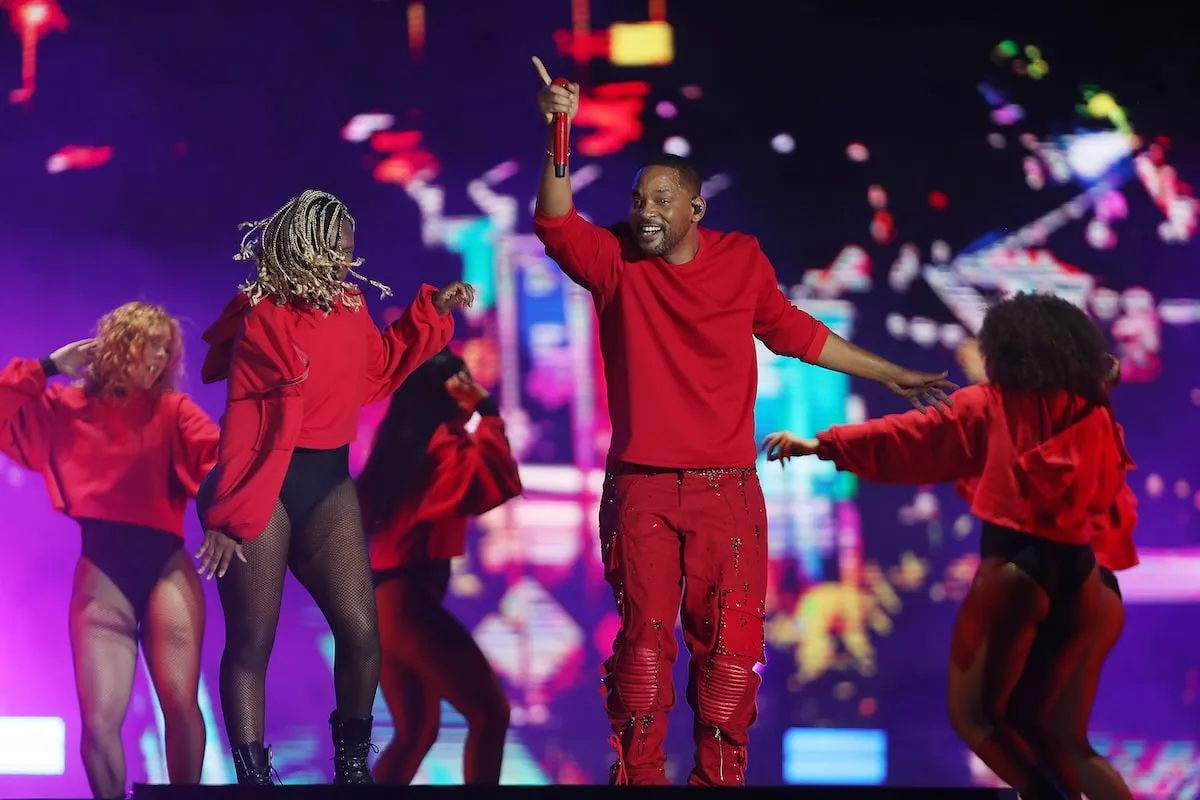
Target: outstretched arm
{"x":196,"y":441}
{"x":472,"y":474}
{"x":788,"y":331}
{"x":914,"y":447}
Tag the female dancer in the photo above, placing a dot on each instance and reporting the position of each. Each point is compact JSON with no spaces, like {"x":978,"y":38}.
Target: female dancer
{"x":301,"y":356}
{"x":424,"y":477}
{"x":122,"y":452}
{"x":1067,"y":720}
{"x":1048,"y":454}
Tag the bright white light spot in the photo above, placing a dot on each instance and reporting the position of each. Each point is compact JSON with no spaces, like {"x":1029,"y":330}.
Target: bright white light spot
{"x":940,"y":251}
{"x":923,"y":331}
{"x":33,"y":746}
{"x":783,"y":143}
{"x":897,"y":326}
{"x":677,"y":146}
{"x":857,"y":152}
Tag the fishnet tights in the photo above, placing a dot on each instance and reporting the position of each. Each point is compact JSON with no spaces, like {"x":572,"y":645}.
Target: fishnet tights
{"x":327,"y":553}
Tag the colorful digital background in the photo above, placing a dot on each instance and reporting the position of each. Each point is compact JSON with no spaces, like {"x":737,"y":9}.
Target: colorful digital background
{"x":900,"y":171}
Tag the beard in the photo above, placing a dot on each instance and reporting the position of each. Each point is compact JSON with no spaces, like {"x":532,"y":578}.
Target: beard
{"x":663,"y":244}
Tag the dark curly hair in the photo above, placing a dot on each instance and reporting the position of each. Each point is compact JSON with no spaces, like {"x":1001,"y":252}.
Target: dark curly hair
{"x":1043,"y":343}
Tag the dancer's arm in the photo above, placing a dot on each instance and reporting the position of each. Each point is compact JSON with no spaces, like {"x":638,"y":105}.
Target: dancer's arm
{"x":424,"y":328}
{"x":263,"y":414}
{"x":471,"y":474}
{"x":27,"y":403}
{"x":914,"y":447}
{"x":588,"y":254}
{"x":196,"y":440}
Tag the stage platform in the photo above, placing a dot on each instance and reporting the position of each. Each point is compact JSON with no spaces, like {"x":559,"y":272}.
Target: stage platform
{"x":145,"y":792}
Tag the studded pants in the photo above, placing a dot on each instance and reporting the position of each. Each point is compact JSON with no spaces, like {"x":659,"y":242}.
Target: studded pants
{"x":690,"y":543}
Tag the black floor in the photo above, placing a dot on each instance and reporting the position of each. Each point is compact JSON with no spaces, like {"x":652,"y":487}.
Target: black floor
{"x":143,"y":792}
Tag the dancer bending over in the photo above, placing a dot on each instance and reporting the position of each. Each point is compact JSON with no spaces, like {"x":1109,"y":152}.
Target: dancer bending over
{"x":301,"y":356}
{"x":425,"y":476}
{"x":122,"y":452}
{"x":1048,"y":454}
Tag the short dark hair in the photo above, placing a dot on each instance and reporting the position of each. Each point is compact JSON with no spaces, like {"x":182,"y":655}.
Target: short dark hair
{"x":689,"y":176}
{"x":1040,"y":342}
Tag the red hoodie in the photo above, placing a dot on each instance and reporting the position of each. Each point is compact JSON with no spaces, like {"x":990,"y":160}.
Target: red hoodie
{"x":1046,"y":464}
{"x":469,"y":475}
{"x":136,"y":461}
{"x":299,"y":377}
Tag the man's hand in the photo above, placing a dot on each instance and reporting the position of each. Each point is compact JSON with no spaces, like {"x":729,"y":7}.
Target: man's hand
{"x":217,"y":553}
{"x":784,"y":445}
{"x":70,"y":359}
{"x":556,"y":99}
{"x":921,"y":388}
{"x":455,"y":294}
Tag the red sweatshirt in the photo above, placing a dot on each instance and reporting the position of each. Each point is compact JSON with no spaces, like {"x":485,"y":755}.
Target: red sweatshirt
{"x":136,"y":461}
{"x":679,"y":356}
{"x":298,"y":377}
{"x":469,"y":474}
{"x":1046,"y":465}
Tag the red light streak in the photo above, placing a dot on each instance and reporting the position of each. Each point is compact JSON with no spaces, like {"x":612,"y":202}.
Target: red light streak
{"x":31,"y":19}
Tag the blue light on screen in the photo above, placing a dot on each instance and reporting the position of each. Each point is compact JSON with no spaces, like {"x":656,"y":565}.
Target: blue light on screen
{"x":834,"y":757}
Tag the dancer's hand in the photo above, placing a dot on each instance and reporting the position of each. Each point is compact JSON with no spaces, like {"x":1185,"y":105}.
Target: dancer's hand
{"x":784,"y":445}
{"x":463,"y":389}
{"x":70,"y":359}
{"x":970,"y":361}
{"x":216,"y":554}
{"x":455,"y":294}
{"x":556,"y":99}
{"x":921,"y":388}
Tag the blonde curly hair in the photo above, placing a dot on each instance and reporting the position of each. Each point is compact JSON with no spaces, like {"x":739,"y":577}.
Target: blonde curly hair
{"x":122,"y":336}
{"x":297,"y":254}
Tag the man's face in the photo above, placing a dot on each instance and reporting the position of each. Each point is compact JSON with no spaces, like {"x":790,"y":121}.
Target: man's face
{"x":661,"y":210}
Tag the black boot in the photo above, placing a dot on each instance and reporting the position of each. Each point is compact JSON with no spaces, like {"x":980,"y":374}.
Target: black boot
{"x":253,"y":764}
{"x":351,"y":744}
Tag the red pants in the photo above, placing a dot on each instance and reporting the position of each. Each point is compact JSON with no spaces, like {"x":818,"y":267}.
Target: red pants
{"x":694,"y":542}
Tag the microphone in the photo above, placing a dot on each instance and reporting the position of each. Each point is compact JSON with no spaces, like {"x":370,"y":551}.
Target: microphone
{"x":562,"y":137}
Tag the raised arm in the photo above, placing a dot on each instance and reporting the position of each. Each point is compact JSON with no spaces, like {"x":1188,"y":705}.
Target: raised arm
{"x":473,"y":474}
{"x":260,"y":427}
{"x":196,"y":441}
{"x":588,"y":254}
{"x":26,"y":413}
{"x":424,"y":328}
{"x":915,"y":447}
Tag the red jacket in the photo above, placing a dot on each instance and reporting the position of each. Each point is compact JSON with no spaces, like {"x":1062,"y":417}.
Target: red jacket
{"x":298,"y":377}
{"x":469,"y":475}
{"x":1046,"y":464}
{"x":136,"y":461}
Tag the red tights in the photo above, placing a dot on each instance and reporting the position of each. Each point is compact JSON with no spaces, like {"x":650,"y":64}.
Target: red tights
{"x":429,"y":656}
{"x":693,"y":542}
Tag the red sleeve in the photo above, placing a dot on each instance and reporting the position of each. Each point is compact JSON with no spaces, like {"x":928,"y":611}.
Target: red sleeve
{"x":26,"y":414}
{"x":262,"y":421}
{"x":1112,"y":537}
{"x":932,"y":447}
{"x":406,"y":344}
{"x":196,"y":438}
{"x":588,"y":254}
{"x":783,"y":328}
{"x":471,"y":474}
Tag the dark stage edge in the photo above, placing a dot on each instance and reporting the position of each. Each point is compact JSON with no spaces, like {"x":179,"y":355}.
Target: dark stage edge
{"x":146,"y":792}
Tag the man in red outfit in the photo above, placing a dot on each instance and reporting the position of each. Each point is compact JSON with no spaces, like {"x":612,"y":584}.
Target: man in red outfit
{"x":684,"y":527}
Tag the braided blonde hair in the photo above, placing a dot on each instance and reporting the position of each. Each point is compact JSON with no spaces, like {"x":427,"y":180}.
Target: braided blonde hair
{"x":297,"y":257}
